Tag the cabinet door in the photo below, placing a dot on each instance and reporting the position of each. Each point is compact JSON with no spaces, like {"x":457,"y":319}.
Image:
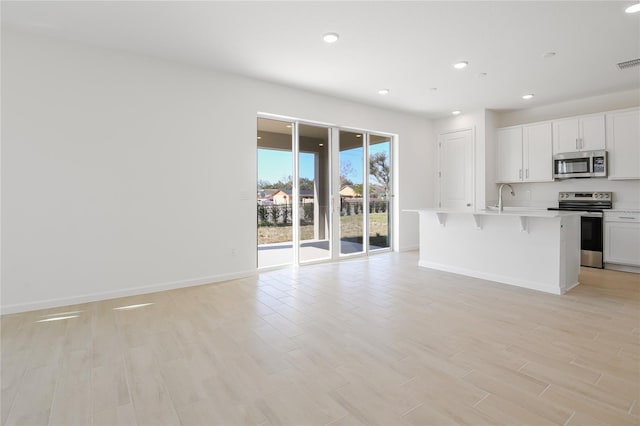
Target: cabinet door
{"x":622,"y":243}
{"x":509,"y":155}
{"x":592,"y":134}
{"x":623,"y":144}
{"x":537,"y":153}
{"x":456,"y":170}
{"x":566,"y":135}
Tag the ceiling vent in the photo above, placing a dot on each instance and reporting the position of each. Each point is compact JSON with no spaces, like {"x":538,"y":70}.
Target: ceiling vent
{"x":629,"y":64}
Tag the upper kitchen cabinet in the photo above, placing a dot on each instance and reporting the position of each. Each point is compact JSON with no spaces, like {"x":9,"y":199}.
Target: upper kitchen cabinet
{"x":524,"y":153}
{"x":538,"y":156}
{"x":623,"y":144}
{"x":584,"y":133}
{"x":509,"y":154}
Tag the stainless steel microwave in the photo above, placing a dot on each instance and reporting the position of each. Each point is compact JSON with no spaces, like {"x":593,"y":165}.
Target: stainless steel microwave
{"x":583,"y":164}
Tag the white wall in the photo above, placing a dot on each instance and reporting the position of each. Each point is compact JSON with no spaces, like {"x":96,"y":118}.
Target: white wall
{"x":490,"y":160}
{"x":124,"y":174}
{"x":626,"y":193}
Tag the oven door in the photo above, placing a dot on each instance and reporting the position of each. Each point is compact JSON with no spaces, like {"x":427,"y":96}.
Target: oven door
{"x":572,"y":167}
{"x":591,"y":236}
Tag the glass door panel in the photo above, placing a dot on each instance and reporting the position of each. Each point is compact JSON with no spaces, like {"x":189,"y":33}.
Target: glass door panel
{"x":379,"y":192}
{"x":351,"y":159}
{"x":275,"y":196}
{"x":317,"y":185}
{"x":314,"y":193}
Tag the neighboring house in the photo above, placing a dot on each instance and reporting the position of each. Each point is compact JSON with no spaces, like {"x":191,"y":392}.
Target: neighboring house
{"x":306,"y":195}
{"x":282,"y":196}
{"x":348,"y":191}
{"x":272,"y":196}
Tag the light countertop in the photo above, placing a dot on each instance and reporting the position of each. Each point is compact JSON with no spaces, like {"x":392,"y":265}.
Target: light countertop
{"x":508,"y":211}
{"x":623,"y":210}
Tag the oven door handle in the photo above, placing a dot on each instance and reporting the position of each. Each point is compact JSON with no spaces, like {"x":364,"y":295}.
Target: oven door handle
{"x":592,"y":214}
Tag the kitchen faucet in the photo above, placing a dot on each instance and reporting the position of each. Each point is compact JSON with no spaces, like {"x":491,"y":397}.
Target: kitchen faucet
{"x":500,"y":206}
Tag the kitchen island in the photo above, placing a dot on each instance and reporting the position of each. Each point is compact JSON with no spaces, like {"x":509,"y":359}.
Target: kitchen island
{"x":536,"y":249}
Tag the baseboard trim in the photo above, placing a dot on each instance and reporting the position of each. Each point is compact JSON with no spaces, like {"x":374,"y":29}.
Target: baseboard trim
{"x":532,"y":285}
{"x":409,"y":248}
{"x":133,"y":291}
{"x":622,"y":268}
{"x":576,"y":284}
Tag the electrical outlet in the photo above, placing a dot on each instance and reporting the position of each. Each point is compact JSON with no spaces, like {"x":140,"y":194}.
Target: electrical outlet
{"x":233,"y":252}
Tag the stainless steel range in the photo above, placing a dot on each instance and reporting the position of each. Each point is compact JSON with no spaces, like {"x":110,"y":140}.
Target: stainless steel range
{"x":592,"y":206}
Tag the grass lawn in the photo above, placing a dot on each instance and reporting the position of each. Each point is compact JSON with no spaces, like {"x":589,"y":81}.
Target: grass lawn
{"x":350,"y":227}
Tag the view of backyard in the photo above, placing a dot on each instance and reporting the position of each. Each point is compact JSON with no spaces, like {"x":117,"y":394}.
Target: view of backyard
{"x":295,"y":178}
{"x":351,"y":228}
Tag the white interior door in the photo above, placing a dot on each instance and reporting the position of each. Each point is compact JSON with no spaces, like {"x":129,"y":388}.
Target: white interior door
{"x":456,"y":171}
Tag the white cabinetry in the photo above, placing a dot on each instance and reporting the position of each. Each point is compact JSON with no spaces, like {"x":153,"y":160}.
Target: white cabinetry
{"x":623,"y":144}
{"x":622,"y":238}
{"x":586,"y":133}
{"x":509,"y":151}
{"x":524,"y":153}
{"x":537,"y":152}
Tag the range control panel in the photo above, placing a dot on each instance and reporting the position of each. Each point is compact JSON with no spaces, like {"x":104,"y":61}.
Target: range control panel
{"x":585,"y":196}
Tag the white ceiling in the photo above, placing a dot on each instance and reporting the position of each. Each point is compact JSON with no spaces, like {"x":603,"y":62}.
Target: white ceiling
{"x":407,"y":47}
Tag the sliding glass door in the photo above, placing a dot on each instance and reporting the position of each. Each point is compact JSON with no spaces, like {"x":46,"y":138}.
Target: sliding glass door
{"x":275,"y":193}
{"x":379,"y":192}
{"x":365,"y":204}
{"x":352,"y":199}
{"x":312,"y":189}
{"x":314,"y":192}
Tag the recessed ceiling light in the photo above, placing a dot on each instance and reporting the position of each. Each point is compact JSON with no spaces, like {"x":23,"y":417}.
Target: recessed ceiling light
{"x":482,"y":74}
{"x":434,"y":89}
{"x":548,"y":54}
{"x":330,"y":37}
{"x":259,"y":137}
{"x":358,"y":136}
{"x":320,"y":144}
{"x":455,"y":112}
{"x":460,"y":65}
{"x":633,"y":8}
{"x":383,"y":91}
{"x":527,"y":96}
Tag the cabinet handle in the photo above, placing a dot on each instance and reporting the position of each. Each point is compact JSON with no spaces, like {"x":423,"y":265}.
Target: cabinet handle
{"x":576,"y":143}
{"x":527,"y":173}
{"x":520,"y":174}
{"x":626,"y":217}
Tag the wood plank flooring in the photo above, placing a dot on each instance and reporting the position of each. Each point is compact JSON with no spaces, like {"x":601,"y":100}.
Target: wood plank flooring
{"x":376,"y":341}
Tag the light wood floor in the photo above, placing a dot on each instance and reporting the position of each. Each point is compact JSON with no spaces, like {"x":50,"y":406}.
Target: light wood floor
{"x":376,"y":341}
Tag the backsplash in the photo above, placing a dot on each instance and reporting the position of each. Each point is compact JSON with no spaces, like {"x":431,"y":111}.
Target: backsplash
{"x":626,"y":193}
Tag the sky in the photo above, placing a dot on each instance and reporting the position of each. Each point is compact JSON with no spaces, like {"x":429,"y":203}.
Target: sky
{"x":275,"y":165}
